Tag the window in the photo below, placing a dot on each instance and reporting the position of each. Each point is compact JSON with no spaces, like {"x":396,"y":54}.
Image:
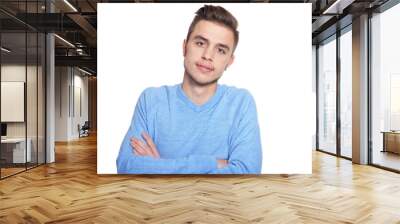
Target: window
{"x":385,"y":88}
{"x":327,"y":96}
{"x":346,"y":93}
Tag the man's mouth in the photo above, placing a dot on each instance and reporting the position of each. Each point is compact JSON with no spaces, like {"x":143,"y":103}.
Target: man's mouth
{"x":204,"y":68}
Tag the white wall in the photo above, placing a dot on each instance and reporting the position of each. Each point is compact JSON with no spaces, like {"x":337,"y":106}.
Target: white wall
{"x":70,"y":83}
{"x":81,"y":83}
{"x":61,"y":103}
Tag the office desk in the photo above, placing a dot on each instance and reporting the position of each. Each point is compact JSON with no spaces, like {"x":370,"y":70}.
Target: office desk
{"x":391,"y":141}
{"x":15,"y":148}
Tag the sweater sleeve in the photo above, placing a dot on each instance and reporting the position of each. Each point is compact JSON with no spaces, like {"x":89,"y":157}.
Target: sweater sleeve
{"x":245,"y":155}
{"x":130,"y":163}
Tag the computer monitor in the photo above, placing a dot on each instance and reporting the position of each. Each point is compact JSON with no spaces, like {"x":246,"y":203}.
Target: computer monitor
{"x":3,"y":129}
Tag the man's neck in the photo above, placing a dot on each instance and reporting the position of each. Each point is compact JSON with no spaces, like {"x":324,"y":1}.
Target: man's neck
{"x":198,"y":94}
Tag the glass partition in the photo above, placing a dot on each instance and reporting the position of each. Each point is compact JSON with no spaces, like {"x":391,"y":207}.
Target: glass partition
{"x":31,"y":100}
{"x":13,"y":110}
{"x":327,"y":96}
{"x":41,"y":109}
{"x":22,"y":77}
{"x":346,"y":93}
{"x":385,"y":89}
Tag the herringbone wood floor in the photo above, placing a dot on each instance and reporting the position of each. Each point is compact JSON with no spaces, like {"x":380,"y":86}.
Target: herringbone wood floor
{"x":70,"y":191}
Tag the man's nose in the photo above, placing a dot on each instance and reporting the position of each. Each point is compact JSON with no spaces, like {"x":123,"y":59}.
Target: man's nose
{"x":208,"y":54}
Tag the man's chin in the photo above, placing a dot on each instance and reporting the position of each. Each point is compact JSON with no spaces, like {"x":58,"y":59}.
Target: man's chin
{"x":200,"y":79}
{"x":200,"y":82}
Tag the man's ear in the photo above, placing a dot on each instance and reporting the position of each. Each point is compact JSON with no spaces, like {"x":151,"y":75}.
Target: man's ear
{"x":230,"y":61}
{"x":184,"y":47}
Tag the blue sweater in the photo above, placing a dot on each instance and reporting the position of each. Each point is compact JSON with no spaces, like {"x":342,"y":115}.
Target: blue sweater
{"x":190,"y":138}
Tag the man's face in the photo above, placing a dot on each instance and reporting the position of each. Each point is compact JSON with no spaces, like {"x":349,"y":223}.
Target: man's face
{"x":208,"y":52}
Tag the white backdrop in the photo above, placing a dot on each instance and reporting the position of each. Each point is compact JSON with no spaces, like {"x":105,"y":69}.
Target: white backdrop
{"x":140,"y":45}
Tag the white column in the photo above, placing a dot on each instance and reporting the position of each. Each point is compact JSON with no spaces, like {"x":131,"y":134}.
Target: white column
{"x":360,"y":90}
{"x":50,"y":93}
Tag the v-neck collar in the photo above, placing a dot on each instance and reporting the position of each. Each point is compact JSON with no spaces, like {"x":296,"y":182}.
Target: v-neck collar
{"x":197,"y":108}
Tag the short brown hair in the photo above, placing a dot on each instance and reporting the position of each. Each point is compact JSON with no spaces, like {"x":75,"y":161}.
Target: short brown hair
{"x":219,"y":15}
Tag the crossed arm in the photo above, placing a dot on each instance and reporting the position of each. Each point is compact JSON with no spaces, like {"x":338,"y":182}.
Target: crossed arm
{"x":143,"y":160}
{"x":149,"y":149}
{"x":142,"y":157}
{"x":139,"y":155}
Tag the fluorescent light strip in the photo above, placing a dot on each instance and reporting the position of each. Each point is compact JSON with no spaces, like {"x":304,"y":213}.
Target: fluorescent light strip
{"x":5,"y":50}
{"x":65,"y":41}
{"x":86,"y":72}
{"x":331,"y":7}
{"x":339,"y":5}
{"x":70,"y":5}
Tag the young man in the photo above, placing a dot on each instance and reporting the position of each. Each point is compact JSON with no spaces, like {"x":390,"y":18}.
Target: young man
{"x":199,"y":126}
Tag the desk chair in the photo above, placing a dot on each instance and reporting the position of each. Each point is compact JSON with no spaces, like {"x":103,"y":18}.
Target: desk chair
{"x":84,"y":130}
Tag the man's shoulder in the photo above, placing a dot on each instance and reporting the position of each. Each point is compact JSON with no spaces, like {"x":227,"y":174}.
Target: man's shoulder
{"x":152,"y":97}
{"x":239,"y":100}
{"x":156,"y":93}
{"x":236,"y":93}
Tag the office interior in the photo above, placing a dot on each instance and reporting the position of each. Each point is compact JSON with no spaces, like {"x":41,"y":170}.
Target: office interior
{"x":49,"y":98}
{"x":47,"y":81}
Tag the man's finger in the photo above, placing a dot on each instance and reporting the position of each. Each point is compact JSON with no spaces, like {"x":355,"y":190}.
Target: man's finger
{"x":148,"y":140}
{"x":151,"y":144}
{"x":141,"y":150}
{"x":137,"y":148}
{"x":140,"y":153}
{"x":144,"y":147}
{"x":222,"y":163}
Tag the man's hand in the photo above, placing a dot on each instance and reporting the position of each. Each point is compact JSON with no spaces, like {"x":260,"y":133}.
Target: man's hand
{"x":150,"y":149}
{"x":222,"y":163}
{"x":144,"y":149}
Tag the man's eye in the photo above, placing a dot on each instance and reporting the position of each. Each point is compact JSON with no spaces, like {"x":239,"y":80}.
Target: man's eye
{"x":199,"y":43}
{"x":221,"y":51}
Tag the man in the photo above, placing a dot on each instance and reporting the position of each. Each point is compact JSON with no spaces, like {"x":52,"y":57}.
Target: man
{"x":198,"y":126}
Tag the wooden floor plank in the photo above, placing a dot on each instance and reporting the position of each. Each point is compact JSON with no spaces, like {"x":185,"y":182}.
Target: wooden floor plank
{"x":70,"y":191}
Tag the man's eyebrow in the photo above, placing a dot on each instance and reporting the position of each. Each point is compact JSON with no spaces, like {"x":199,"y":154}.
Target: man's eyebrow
{"x":206,"y":40}
{"x":201,"y":38}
